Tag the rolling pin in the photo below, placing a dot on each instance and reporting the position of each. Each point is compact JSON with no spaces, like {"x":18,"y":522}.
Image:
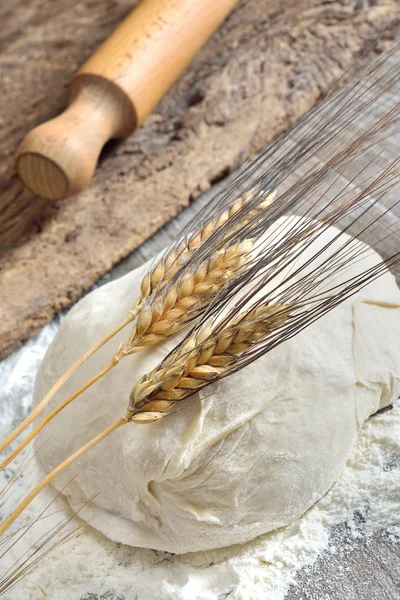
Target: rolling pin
{"x":115,"y":90}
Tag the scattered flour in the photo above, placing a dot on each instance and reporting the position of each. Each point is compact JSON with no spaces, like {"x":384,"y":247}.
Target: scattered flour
{"x":90,"y":567}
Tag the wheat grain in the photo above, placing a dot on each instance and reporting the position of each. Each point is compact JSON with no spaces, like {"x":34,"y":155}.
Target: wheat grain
{"x":176,"y":256}
{"x":202,"y":358}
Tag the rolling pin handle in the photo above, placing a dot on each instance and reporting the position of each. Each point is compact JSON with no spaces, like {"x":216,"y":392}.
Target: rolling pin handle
{"x":115,"y":90}
{"x":58,"y":159}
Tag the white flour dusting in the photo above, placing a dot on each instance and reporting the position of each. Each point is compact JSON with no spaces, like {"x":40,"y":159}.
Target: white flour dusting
{"x":91,"y":567}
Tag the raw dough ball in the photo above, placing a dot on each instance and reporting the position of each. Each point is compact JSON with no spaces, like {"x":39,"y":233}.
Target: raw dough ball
{"x":251,"y":453}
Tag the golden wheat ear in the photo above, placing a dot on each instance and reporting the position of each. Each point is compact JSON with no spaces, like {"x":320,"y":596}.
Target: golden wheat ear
{"x":174,"y":293}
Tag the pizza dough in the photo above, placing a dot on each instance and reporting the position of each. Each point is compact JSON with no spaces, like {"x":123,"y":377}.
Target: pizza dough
{"x":250,"y":454}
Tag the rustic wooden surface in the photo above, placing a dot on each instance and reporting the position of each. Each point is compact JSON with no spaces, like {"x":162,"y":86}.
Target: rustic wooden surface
{"x":266,"y":66}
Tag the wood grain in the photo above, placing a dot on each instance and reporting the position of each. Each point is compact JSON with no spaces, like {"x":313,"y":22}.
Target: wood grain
{"x":264,"y":68}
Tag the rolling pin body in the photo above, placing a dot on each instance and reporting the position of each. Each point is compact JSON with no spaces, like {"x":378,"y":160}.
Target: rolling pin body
{"x":115,"y":90}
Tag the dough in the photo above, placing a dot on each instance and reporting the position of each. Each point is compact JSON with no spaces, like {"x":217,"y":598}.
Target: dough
{"x":251,"y":453}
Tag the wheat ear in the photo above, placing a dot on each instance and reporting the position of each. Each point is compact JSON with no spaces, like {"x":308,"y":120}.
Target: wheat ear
{"x":168,"y":312}
{"x":201,"y":359}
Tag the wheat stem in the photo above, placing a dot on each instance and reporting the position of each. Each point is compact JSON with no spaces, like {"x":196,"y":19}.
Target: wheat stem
{"x":39,"y":408}
{"x":59,"y":469}
{"x":55,"y":412}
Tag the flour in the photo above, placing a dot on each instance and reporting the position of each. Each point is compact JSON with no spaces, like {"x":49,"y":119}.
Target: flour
{"x":91,"y":567}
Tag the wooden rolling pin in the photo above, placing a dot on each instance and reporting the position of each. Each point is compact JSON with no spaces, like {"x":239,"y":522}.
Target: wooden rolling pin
{"x":115,"y":90}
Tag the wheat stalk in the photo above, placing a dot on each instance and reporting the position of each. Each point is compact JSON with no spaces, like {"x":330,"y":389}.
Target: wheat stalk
{"x":162,"y":311}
